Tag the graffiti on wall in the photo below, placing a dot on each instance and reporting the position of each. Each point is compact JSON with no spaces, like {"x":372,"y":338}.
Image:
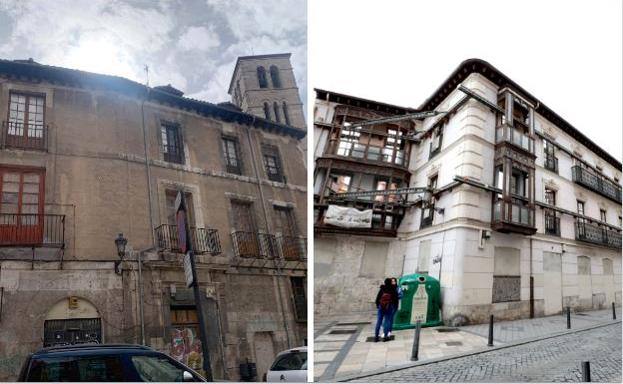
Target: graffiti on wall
{"x":186,"y":347}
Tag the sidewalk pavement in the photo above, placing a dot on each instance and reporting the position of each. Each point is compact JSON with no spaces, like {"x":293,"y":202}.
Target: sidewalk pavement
{"x":340,"y":346}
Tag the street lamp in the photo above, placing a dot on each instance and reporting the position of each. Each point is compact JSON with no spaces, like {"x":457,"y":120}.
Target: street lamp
{"x":120,"y":243}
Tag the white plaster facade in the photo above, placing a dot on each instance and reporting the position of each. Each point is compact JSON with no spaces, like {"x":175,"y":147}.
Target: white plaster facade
{"x":565,"y":271}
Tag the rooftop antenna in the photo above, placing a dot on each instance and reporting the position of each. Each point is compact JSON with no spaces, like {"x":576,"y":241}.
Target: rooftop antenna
{"x":146,"y":75}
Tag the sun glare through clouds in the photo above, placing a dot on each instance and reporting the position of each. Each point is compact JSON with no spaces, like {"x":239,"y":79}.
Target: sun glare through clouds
{"x":100,"y":55}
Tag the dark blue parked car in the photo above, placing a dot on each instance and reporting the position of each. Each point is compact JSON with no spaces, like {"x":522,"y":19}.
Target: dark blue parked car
{"x":104,"y":362}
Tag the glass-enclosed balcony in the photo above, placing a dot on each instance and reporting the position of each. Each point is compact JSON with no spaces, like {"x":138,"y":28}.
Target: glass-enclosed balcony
{"x":513,"y":216}
{"x":517,"y":137}
{"x":596,"y":183}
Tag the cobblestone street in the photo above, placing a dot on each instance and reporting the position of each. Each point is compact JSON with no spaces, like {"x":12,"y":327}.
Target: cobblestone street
{"x":555,"y":359}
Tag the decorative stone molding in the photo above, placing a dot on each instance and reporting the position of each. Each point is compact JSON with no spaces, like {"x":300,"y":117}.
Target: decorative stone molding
{"x":551,"y":184}
{"x":433,"y":170}
{"x":236,"y":196}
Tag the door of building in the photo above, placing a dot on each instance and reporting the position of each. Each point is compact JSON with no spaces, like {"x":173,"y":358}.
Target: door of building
{"x":246,"y":231}
{"x":264,"y":352}
{"x":285,"y":223}
{"x":21,"y":206}
{"x":552,"y":283}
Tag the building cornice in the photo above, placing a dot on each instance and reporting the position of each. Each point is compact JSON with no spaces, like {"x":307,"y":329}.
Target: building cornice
{"x":37,"y":73}
{"x":494,"y":75}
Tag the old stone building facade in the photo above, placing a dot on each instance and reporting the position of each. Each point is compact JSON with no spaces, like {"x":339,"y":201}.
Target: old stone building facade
{"x":520,"y":214}
{"x":84,"y":157}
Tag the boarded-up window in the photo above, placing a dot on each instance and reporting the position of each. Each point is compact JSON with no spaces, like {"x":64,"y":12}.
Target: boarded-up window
{"x":552,"y":262}
{"x":584,"y":265}
{"x":373,"y":261}
{"x":423,"y":257}
{"x":607,"y":263}
{"x":506,"y":275}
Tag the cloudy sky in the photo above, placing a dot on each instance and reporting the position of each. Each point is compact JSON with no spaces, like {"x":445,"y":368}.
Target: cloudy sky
{"x":192,"y":44}
{"x":567,"y":53}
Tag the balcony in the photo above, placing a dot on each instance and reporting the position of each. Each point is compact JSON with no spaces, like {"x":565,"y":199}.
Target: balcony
{"x":204,"y":240}
{"x":551,"y":163}
{"x":292,"y":247}
{"x":24,"y":136}
{"x":596,"y":183}
{"x":32,"y":230}
{"x":355,"y":150}
{"x":596,"y":234}
{"x":261,"y":245}
{"x":552,"y":224}
{"x":517,"y":137}
{"x":386,"y":217}
{"x":513,"y":216}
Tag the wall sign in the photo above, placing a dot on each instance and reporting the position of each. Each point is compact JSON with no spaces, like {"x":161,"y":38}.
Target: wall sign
{"x":419,"y":306}
{"x":348,"y":217}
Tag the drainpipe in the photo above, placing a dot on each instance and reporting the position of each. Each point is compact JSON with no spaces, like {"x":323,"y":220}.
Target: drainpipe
{"x":147,"y":169}
{"x":277,"y":263}
{"x":531,"y":284}
{"x":141,"y":307}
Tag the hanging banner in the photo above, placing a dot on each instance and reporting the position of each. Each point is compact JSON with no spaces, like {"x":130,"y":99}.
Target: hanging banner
{"x":188,"y":270}
{"x":348,"y":217}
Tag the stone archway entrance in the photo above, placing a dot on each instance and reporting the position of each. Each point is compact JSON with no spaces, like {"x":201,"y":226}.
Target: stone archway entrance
{"x":72,"y":320}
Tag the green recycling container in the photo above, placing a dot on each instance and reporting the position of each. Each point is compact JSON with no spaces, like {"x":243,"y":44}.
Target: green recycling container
{"x":421,"y":300}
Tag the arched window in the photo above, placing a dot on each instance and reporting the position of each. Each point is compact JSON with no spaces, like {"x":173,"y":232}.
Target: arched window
{"x":267,"y":111}
{"x":276,"y":108}
{"x":261,"y":77}
{"x":285,"y":113}
{"x":274,"y":76}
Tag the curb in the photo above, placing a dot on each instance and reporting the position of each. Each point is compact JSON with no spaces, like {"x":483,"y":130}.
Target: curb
{"x":477,"y":352}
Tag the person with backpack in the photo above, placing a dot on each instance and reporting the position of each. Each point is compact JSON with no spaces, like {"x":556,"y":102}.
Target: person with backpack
{"x":394,"y":283}
{"x":386,"y":301}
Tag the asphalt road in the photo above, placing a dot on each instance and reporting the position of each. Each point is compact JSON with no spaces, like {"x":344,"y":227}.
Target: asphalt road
{"x":555,"y":359}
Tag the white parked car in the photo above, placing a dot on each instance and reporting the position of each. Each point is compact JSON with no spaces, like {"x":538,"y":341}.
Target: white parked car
{"x":290,"y":366}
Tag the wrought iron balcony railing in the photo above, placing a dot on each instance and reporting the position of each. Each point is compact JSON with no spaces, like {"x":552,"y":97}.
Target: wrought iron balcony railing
{"x":596,"y":183}
{"x":24,"y":136}
{"x":254,"y":245}
{"x":551,"y":163}
{"x":552,"y":224}
{"x":32,"y":230}
{"x":267,"y":246}
{"x":204,"y":240}
{"x":514,"y":136}
{"x":292,"y":247}
{"x":596,"y":234}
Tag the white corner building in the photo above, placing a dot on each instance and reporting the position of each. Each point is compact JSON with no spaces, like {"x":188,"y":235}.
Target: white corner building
{"x":524,"y":218}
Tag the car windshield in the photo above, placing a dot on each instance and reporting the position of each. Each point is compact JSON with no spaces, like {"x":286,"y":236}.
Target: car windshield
{"x":87,"y":368}
{"x":158,"y":368}
{"x":292,"y":361}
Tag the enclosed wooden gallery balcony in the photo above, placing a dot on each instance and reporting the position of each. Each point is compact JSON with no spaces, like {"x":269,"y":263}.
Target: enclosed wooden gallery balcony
{"x":513,"y":208}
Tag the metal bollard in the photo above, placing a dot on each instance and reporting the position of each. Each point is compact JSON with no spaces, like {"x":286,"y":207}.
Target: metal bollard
{"x":490,"y":343}
{"x":614,"y":313}
{"x":568,"y":317}
{"x":586,"y":372}
{"x":416,"y":342}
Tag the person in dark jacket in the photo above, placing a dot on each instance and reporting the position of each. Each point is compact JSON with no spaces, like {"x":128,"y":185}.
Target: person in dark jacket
{"x":386,"y":301}
{"x":396,"y":304}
